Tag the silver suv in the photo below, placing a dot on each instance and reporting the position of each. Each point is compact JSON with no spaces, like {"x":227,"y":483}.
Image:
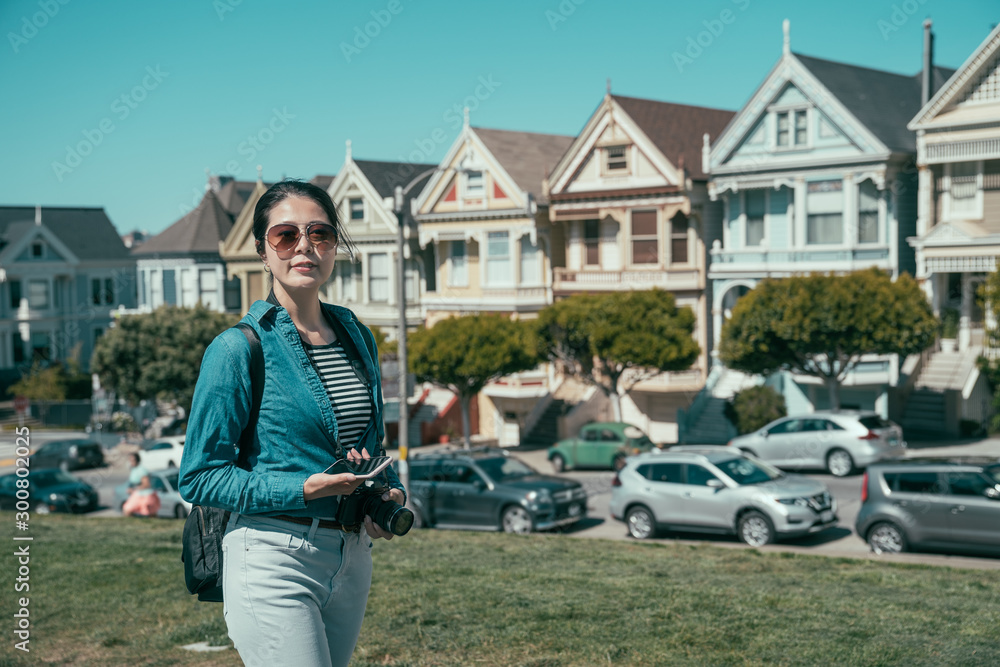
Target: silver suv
{"x":932,"y":504}
{"x":719,"y":490}
{"x":840,"y":442}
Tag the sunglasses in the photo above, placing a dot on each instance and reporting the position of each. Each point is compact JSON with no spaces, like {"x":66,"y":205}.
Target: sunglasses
{"x":285,"y":237}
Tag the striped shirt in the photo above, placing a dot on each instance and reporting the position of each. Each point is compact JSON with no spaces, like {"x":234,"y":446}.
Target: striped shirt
{"x":348,"y":395}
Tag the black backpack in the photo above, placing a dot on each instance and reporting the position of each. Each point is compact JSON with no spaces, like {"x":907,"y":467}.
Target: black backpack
{"x":205,"y":526}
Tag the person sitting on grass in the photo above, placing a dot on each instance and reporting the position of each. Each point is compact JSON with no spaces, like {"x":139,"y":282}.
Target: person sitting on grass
{"x":142,"y":498}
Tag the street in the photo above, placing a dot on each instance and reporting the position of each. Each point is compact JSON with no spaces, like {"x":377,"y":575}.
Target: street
{"x":837,"y":542}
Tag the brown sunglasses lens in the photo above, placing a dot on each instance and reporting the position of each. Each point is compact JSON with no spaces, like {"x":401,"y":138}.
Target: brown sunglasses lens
{"x":286,"y":237}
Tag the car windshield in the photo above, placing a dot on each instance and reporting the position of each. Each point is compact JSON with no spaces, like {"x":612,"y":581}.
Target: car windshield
{"x":505,"y":469}
{"x":51,"y":478}
{"x":744,"y":471}
{"x":993,"y":472}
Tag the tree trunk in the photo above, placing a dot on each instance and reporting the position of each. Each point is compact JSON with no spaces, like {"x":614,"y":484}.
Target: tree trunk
{"x":616,"y":406}
{"x":833,"y":387}
{"x":466,"y":435}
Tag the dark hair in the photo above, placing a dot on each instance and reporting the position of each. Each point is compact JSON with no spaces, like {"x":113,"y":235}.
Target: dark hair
{"x":135,"y":456}
{"x":296,"y":188}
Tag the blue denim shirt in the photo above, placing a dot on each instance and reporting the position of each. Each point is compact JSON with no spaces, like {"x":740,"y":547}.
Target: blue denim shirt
{"x":297,"y":433}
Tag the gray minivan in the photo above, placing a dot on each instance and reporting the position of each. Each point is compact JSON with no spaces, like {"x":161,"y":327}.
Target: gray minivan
{"x":933,"y":504}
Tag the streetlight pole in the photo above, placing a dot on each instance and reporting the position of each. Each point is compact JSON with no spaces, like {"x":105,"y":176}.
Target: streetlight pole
{"x":403,"y":440}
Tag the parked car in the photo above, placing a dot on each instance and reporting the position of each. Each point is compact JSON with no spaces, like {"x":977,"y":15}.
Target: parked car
{"x":931,"y":504}
{"x":165,"y":484}
{"x":68,"y":455}
{"x":840,"y":442}
{"x":162,"y":452}
{"x":599,"y":445}
{"x":718,"y":490}
{"x":49,"y":490}
{"x":488,"y":489}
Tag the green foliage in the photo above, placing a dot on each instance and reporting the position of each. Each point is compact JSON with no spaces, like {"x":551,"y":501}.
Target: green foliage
{"x":385,"y":347}
{"x":822,"y":325}
{"x":42,"y":383}
{"x":157,"y":355}
{"x":597,"y":337}
{"x":949,"y":323}
{"x":464,"y":354}
{"x":754,"y":408}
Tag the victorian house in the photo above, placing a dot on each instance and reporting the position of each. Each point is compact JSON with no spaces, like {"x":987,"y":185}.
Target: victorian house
{"x":485,"y":215}
{"x":63,"y":272}
{"x":182,"y":265}
{"x":815,"y":173}
{"x":957,"y":238}
{"x":629,"y":203}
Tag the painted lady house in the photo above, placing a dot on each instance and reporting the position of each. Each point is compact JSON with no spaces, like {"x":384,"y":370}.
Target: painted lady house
{"x":629,"y":200}
{"x":816,"y":174}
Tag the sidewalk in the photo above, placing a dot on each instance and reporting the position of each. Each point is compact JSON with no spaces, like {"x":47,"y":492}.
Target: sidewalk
{"x":968,"y":447}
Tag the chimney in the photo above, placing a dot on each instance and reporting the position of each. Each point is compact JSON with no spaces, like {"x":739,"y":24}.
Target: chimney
{"x":927,"y":78}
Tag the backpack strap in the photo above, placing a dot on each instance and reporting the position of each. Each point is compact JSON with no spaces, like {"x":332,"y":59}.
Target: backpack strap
{"x":257,"y":387}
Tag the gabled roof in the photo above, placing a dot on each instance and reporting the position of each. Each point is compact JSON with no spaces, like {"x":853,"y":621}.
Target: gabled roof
{"x":385,"y":176}
{"x":526,"y":156}
{"x":881,"y":101}
{"x":197,"y":232}
{"x":985,"y":55}
{"x":234,"y":194}
{"x":322,"y":180}
{"x":676,"y":129}
{"x":87,"y":231}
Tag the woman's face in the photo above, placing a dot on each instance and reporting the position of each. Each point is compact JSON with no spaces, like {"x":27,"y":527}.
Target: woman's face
{"x":303,"y":266}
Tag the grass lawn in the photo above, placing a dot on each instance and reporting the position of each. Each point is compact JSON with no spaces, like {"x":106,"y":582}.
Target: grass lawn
{"x":111,"y":592}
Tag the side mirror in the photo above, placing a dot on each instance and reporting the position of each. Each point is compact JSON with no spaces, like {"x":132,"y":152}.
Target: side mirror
{"x":479,"y":484}
{"x":714,"y":484}
{"x":764,"y":433}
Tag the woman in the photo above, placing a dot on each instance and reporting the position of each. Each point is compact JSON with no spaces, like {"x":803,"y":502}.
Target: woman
{"x":295,"y":582}
{"x":142,"y":497}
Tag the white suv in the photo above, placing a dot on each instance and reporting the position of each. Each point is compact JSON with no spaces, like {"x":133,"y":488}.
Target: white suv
{"x":718,"y":490}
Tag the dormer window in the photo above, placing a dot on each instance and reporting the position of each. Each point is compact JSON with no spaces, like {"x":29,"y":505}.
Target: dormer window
{"x":357,"y":208}
{"x":792,"y":129}
{"x":617,"y":159}
{"x":474,"y":183}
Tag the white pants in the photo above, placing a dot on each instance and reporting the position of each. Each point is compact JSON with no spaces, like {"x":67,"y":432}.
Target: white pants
{"x":294,"y":595}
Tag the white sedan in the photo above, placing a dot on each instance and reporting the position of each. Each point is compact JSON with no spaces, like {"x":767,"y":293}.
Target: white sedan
{"x":165,"y":484}
{"x":162,"y":453}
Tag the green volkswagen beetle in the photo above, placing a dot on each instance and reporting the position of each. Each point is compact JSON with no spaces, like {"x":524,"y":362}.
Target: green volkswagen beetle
{"x":599,"y":445}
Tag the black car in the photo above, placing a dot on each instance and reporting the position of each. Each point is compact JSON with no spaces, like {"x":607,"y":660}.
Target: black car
{"x":943,"y":504}
{"x":487,"y":489}
{"x":50,"y":490}
{"x":68,"y":455}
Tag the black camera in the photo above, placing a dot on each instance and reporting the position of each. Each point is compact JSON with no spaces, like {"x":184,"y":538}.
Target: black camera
{"x":367,"y":501}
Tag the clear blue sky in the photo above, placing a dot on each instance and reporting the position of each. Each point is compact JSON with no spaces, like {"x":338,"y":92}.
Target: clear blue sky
{"x":201,"y":77}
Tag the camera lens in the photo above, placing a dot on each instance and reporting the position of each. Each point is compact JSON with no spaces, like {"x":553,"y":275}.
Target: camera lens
{"x":391,"y":516}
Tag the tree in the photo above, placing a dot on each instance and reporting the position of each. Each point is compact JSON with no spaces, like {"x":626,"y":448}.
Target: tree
{"x":464,"y":354}
{"x":598,"y":338}
{"x":157,"y":355}
{"x":386,"y":348}
{"x":822,"y":325}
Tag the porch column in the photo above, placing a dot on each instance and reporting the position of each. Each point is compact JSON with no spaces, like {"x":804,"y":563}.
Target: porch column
{"x":965,"y":322}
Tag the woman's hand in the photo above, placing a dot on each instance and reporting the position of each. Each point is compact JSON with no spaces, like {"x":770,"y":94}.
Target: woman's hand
{"x":376,"y":531}
{"x":322,"y":485}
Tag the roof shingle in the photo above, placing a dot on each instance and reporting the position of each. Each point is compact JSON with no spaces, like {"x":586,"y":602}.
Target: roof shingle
{"x":197,"y":232}
{"x":527,"y":156}
{"x":86,"y":231}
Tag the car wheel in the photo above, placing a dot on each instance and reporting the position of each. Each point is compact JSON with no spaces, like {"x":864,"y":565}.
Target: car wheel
{"x":755,"y":529}
{"x":180,"y":512}
{"x":558,"y":463}
{"x":618,"y":463}
{"x":839,"y":463}
{"x":516,"y":520}
{"x":886,"y":538}
{"x":641,"y":524}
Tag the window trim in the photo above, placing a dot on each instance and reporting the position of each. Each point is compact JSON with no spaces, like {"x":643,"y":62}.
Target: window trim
{"x":947,"y":205}
{"x":387,"y":278}
{"x":485,"y":259}
{"x":350,"y":209}
{"x":745,"y":218}
{"x":453,"y":280}
{"x":625,"y":160}
{"x":643,"y":237}
{"x":792,"y":112}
